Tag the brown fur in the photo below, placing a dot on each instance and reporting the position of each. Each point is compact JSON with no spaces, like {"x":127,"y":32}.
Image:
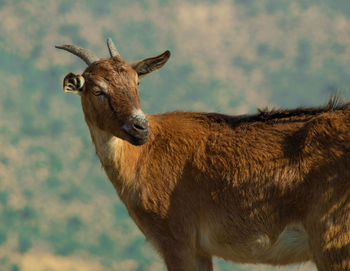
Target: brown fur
{"x":272,"y":188}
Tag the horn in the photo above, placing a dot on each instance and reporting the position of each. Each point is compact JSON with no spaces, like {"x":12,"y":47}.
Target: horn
{"x":111,"y":47}
{"x":84,"y":54}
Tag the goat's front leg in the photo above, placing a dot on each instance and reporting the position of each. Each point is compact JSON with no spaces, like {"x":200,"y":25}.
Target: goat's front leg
{"x":204,"y":263}
{"x":181,"y":258}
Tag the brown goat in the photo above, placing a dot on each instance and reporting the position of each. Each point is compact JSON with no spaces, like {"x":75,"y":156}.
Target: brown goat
{"x":270,"y":188}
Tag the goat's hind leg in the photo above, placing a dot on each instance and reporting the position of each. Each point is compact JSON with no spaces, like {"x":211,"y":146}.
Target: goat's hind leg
{"x":329,"y":240}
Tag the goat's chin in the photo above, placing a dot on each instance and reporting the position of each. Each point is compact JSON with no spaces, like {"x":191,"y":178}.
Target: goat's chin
{"x":136,"y":141}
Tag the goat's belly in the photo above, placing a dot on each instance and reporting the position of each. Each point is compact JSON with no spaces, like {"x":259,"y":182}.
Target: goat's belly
{"x":290,"y":247}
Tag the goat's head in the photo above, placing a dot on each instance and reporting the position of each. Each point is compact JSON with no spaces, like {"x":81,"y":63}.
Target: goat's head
{"x":108,"y":90}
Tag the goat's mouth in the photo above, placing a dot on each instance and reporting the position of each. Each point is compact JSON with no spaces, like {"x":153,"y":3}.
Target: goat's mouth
{"x":137,"y":141}
{"x":135,"y":134}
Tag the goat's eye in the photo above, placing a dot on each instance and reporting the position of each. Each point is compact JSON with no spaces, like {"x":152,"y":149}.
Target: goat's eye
{"x":97,"y":92}
{"x":99,"y":88}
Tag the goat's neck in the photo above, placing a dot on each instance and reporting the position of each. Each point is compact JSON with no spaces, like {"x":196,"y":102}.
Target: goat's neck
{"x":109,"y":148}
{"x":118,"y":159}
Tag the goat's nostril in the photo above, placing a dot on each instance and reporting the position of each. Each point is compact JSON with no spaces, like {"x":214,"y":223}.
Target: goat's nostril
{"x":141,"y":126}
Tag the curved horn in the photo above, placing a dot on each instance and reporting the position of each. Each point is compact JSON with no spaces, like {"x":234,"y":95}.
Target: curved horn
{"x":84,"y":54}
{"x":112,"y":49}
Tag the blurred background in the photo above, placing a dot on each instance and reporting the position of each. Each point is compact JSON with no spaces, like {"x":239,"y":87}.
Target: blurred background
{"x":58,"y":211}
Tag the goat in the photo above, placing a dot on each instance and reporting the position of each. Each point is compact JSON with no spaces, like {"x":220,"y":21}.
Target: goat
{"x":271,"y":187}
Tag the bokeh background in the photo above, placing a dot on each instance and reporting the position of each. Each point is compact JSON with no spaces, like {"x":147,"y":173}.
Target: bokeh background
{"x":58,"y":211}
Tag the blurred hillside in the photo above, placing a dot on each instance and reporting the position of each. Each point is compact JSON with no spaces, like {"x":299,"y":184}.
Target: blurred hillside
{"x":57,"y":208}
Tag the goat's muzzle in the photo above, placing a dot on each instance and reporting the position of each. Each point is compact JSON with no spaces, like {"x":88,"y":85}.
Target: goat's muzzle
{"x":136,"y":130}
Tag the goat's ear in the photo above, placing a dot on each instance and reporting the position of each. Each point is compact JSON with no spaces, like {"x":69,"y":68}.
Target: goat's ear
{"x":148,"y":65}
{"x":73,"y":83}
